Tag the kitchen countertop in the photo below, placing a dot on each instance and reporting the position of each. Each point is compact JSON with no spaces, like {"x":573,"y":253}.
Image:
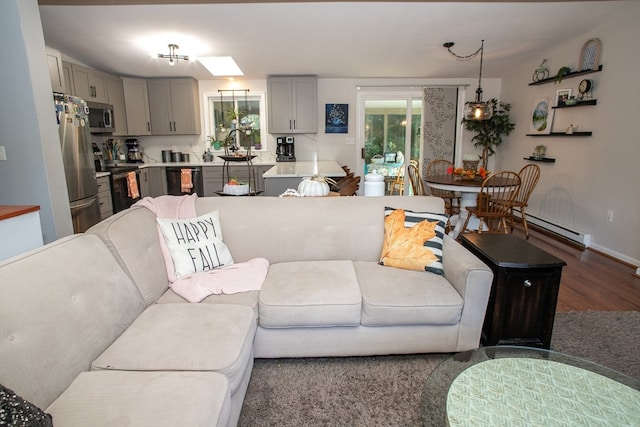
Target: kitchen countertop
{"x":216,"y":162}
{"x":305,"y":168}
{"x":10,"y":211}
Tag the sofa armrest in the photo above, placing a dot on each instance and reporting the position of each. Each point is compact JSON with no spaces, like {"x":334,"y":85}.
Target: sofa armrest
{"x":472,"y":279}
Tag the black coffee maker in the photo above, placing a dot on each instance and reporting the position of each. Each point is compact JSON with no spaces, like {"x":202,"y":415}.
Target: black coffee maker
{"x":134,"y":155}
{"x":285,"y":149}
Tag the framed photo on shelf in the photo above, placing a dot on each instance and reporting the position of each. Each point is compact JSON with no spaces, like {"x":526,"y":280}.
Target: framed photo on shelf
{"x":561,"y":96}
{"x":541,"y":117}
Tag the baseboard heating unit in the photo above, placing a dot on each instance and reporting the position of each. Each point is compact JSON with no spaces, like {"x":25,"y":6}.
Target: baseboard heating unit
{"x":576,"y":236}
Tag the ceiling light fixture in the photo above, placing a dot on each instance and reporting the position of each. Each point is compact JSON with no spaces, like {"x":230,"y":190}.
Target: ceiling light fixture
{"x":172,"y":56}
{"x":221,"y":66}
{"x":477,"y":110}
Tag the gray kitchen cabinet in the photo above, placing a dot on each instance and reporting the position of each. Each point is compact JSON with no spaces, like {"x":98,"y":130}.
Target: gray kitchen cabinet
{"x":68,"y":78}
{"x":136,"y":101}
{"x":293,"y":104}
{"x":174,"y":106}
{"x":153,"y":182}
{"x":104,"y":197}
{"x":90,"y":84}
{"x":211,"y":180}
{"x":54,"y":61}
{"x":115,"y":94}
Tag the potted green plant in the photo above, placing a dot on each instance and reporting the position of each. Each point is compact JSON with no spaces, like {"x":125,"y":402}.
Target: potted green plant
{"x":489,"y":133}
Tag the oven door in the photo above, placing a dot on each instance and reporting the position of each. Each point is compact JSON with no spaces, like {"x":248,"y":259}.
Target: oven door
{"x":123,"y":193}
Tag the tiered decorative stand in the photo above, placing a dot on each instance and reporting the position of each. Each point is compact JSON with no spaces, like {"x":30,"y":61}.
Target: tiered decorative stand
{"x":226,"y":176}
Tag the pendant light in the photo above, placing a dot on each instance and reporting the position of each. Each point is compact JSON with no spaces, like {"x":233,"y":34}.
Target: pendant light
{"x":476,"y":110}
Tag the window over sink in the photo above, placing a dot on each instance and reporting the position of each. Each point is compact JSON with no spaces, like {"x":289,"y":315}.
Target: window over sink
{"x":230,"y":110}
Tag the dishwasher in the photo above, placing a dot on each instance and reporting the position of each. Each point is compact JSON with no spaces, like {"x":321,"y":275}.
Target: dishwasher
{"x":174,"y":180}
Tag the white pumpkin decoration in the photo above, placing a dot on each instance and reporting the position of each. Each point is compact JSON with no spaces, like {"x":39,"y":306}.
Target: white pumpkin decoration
{"x":314,"y":186}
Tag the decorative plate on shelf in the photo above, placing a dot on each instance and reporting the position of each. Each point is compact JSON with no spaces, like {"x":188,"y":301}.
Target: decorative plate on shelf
{"x":541,"y":116}
{"x":590,"y":54}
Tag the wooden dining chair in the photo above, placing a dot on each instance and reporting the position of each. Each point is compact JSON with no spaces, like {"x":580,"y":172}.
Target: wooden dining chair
{"x":398,"y":183}
{"x":415,"y":179}
{"x":347,"y":185}
{"x":497,"y":192}
{"x":451,"y":198}
{"x":529,"y":176}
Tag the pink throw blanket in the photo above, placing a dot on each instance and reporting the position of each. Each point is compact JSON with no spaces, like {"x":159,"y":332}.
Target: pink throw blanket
{"x":239,"y":277}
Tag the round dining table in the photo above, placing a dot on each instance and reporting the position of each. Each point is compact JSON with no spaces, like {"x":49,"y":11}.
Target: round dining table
{"x":468,"y":190}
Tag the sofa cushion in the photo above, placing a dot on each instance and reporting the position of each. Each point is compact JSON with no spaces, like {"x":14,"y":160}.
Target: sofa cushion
{"x":159,"y":399}
{"x":392,"y":296}
{"x":413,"y":240}
{"x":60,"y":306}
{"x":249,"y":299}
{"x":132,"y":236}
{"x":310,"y":293}
{"x":195,"y":244}
{"x":186,"y":337}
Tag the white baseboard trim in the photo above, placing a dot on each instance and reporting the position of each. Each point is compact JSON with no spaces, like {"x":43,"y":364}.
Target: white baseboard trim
{"x":576,"y":236}
{"x":582,"y":238}
{"x":617,"y":255}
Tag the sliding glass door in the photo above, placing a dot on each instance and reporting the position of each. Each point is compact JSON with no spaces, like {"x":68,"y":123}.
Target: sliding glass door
{"x":390,"y":130}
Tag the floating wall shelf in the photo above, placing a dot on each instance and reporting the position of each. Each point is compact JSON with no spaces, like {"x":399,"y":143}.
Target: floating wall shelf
{"x":579,"y":104}
{"x":561,"y":134}
{"x":542,"y":159}
{"x":566,"y":76}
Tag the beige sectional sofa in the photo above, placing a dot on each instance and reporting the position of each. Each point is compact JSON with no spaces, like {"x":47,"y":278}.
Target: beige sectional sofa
{"x":92,"y":333}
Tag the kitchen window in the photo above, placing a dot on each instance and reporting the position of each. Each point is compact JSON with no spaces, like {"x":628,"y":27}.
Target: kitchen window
{"x":236,"y":111}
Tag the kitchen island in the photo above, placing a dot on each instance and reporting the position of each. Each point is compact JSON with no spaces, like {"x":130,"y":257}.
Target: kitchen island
{"x":285,"y":175}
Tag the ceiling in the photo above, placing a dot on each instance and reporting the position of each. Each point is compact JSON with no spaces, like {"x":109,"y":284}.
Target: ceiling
{"x":327,"y":39}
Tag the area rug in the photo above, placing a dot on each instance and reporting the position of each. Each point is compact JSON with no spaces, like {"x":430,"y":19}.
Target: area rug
{"x":387,"y":390}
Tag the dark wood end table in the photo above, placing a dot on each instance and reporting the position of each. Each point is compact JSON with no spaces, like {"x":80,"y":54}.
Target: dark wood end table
{"x":524,"y":293}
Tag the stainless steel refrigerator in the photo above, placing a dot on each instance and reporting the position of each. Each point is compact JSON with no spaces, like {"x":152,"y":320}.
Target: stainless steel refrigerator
{"x":77,"y":155}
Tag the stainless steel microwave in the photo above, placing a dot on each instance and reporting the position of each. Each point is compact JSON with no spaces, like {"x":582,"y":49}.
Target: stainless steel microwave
{"x":100,"y":117}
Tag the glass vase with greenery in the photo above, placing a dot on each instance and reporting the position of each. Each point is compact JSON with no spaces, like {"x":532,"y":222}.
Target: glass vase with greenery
{"x":489,"y":133}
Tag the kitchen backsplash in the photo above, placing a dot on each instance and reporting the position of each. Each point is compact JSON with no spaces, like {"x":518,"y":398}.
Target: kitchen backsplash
{"x":306,"y":147}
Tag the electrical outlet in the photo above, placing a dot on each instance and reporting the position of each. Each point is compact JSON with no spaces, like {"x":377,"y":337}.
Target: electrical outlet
{"x":610,"y":215}
{"x":3,"y":153}
{"x":349,"y":141}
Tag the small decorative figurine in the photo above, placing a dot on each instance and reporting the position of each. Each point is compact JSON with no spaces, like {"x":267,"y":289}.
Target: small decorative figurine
{"x":542,"y":72}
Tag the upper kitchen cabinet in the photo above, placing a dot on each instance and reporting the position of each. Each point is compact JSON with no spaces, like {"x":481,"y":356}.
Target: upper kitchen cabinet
{"x":293,"y":104}
{"x":174,"y":106}
{"x":136,"y":101}
{"x":68,"y":78}
{"x":115,"y":94}
{"x":54,"y":61}
{"x":90,"y":84}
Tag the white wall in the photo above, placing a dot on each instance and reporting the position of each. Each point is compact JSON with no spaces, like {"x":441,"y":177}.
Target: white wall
{"x":592,"y":174}
{"x":33,"y":173}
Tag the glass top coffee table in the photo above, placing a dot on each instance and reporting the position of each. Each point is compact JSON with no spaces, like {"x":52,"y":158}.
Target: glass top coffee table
{"x":522,"y":386}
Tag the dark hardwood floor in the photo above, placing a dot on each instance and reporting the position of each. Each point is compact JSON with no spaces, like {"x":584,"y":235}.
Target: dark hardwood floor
{"x":591,"y":280}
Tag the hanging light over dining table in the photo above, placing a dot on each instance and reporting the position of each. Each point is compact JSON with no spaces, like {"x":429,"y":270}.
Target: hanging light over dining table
{"x":476,"y":110}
